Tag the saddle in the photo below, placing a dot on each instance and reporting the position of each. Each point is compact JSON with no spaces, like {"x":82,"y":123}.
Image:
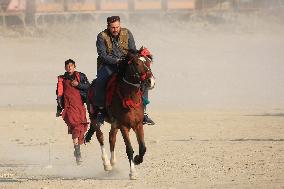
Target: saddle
{"x":110,"y":89}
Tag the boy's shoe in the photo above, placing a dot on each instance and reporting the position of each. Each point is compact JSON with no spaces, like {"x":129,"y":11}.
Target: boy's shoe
{"x":147,"y":120}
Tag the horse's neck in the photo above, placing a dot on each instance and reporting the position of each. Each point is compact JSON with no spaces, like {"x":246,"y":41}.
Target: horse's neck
{"x":129,"y":91}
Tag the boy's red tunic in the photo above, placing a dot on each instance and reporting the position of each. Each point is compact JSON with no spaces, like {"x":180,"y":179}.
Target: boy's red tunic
{"x":74,"y":113}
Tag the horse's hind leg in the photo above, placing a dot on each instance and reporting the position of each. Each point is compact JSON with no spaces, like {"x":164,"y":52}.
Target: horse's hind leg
{"x":142,"y":148}
{"x":129,"y":152}
{"x":112,"y":140}
{"x":100,"y":137}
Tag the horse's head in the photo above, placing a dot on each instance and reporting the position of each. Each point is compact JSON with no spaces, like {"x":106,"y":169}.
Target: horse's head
{"x":138,"y":71}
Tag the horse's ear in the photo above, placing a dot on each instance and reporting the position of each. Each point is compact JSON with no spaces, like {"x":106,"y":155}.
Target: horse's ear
{"x":141,"y":48}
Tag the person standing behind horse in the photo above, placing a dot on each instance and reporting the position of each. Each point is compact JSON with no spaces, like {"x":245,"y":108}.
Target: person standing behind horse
{"x":71,"y":94}
{"x":113,"y":44}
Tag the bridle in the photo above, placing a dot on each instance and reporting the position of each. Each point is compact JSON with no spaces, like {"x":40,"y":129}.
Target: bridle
{"x":135,"y":75}
{"x":140,"y":78}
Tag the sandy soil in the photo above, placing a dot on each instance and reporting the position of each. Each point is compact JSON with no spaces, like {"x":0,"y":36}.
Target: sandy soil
{"x":218,"y":106}
{"x":190,"y":149}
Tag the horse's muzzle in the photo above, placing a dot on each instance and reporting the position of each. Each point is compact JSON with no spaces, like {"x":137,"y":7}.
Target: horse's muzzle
{"x":150,"y":83}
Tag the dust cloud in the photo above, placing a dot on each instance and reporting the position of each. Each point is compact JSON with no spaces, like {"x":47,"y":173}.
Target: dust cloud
{"x":200,"y":61}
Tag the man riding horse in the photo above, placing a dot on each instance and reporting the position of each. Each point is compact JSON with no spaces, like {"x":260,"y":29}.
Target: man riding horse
{"x":125,"y":108}
{"x":113,"y":44}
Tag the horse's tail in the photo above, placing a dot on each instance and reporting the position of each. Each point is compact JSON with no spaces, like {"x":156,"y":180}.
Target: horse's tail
{"x":90,"y":96}
{"x":89,"y":134}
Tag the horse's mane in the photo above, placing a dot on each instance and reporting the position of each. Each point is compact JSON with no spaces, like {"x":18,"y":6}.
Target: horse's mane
{"x":123,"y":65}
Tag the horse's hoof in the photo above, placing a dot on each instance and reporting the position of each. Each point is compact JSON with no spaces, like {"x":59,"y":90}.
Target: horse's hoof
{"x":137,"y":160}
{"x":107,"y":167}
{"x":133,"y":176}
{"x":112,"y":162}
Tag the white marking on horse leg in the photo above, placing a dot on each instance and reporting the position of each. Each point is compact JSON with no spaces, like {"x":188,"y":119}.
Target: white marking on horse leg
{"x":106,"y":162}
{"x":133,"y":174}
{"x":112,"y":158}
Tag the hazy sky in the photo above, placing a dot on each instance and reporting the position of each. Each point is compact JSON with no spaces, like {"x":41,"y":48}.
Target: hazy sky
{"x":227,"y":61}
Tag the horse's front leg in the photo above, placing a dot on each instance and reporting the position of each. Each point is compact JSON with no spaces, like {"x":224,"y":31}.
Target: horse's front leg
{"x":100,"y":137}
{"x":112,"y":140}
{"x":142,"y":148}
{"x":129,"y":151}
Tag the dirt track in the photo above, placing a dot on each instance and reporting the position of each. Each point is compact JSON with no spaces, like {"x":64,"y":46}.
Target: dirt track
{"x":199,"y":149}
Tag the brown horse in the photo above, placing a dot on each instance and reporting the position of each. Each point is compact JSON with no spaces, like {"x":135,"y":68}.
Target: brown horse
{"x":125,"y":110}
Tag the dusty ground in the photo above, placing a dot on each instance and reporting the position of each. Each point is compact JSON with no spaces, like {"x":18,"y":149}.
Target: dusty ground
{"x":190,"y":149}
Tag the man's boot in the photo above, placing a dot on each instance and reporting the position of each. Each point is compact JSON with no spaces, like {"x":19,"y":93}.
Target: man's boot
{"x":147,"y":120}
{"x":77,"y":154}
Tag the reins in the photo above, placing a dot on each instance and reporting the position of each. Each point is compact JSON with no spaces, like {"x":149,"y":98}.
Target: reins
{"x":137,"y":85}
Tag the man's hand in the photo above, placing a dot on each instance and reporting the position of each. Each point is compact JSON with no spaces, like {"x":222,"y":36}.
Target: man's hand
{"x":119,"y":61}
{"x":74,"y":83}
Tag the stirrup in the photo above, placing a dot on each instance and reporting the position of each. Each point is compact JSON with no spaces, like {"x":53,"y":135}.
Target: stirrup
{"x":147,"y":120}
